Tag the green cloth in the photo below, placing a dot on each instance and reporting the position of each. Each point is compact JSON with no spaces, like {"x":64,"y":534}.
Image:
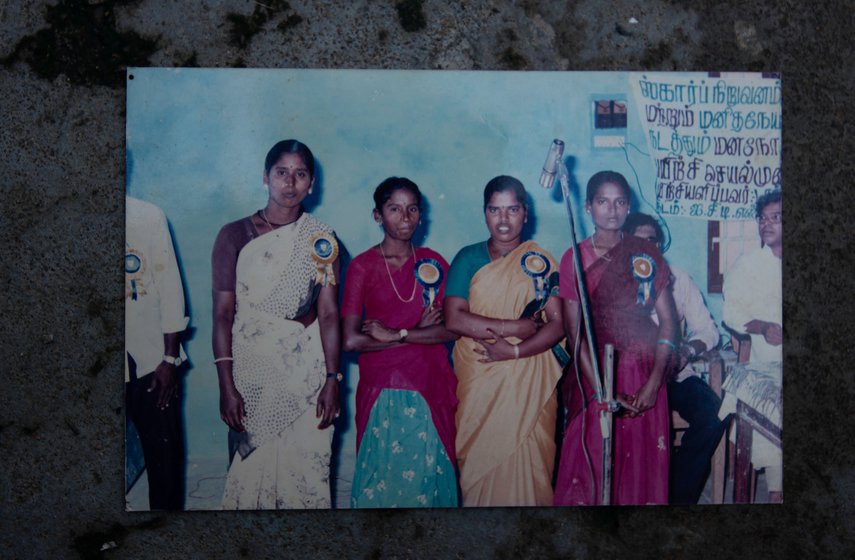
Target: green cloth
{"x":466,"y":263}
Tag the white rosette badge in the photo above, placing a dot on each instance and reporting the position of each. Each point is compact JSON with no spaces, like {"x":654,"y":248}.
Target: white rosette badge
{"x":134,"y":269}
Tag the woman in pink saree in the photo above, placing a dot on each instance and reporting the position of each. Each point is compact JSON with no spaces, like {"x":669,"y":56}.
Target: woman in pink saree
{"x":625,"y":277}
{"x":405,"y":400}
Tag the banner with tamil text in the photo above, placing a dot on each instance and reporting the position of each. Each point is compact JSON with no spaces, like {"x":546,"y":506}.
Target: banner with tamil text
{"x":715,"y":142}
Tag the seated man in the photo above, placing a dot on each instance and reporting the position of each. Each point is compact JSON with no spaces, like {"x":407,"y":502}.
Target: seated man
{"x":687,"y":393}
{"x":752,"y":287}
{"x":753,"y":303}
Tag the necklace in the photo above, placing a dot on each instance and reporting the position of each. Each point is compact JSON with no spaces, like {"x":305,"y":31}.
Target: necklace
{"x":271,"y":224}
{"x":599,"y":252}
{"x":389,"y":273}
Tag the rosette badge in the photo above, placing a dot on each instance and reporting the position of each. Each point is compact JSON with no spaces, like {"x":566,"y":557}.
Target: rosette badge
{"x":537,"y":267}
{"x":643,"y":271}
{"x":324,"y":250}
{"x":429,"y":274}
{"x":134,"y":266}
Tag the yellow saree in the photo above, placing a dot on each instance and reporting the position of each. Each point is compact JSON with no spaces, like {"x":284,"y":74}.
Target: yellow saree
{"x":506,"y":416}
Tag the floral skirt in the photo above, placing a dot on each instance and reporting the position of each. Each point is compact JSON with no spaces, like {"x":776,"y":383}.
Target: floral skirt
{"x":401,"y":461}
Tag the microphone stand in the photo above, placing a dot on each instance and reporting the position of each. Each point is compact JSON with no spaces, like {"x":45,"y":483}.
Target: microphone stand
{"x":607,"y":406}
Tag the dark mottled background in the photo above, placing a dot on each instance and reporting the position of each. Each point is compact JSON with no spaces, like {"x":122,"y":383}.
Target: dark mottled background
{"x":62,"y":148}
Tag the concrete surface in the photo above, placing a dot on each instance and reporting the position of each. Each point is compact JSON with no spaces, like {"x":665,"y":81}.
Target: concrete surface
{"x":62,"y":150}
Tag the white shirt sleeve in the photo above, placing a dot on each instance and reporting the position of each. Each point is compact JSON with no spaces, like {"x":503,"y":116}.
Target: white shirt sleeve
{"x":167,"y":279}
{"x":691,"y":307}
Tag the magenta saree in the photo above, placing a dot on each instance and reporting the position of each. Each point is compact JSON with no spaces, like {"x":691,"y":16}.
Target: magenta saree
{"x":623,"y":286}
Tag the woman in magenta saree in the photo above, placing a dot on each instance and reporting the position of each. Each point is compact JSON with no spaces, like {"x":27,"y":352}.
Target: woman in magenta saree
{"x":625,"y":277}
{"x":405,"y":399}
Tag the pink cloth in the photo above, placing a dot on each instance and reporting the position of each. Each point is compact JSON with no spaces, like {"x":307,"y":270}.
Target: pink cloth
{"x":415,"y":367}
{"x":640,"y":445}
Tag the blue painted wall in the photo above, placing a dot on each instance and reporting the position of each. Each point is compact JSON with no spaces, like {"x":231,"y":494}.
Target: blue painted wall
{"x":197,"y":138}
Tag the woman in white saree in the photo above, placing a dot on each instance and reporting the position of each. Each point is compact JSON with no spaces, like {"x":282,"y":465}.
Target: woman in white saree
{"x":276,"y":342}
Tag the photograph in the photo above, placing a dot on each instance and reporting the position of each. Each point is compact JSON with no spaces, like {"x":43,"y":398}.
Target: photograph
{"x":357,"y":289}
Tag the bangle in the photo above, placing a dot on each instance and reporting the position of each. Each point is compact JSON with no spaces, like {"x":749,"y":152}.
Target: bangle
{"x":667,"y":342}
{"x":516,"y":351}
{"x":224,"y":359}
{"x":336,"y":374}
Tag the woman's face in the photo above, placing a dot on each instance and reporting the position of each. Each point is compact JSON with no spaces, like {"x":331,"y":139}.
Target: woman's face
{"x":505,"y":216}
{"x":289,"y":181}
{"x":400,"y":216}
{"x":609,"y":207}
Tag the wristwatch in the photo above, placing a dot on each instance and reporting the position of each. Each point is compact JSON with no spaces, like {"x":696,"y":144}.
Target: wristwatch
{"x":402,"y":335}
{"x":174,"y":360}
{"x":337,"y":374}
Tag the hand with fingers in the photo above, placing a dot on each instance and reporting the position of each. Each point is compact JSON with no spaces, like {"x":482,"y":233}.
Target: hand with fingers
{"x":165,"y":380}
{"x":232,"y":410}
{"x":328,"y":408}
{"x":496,"y":349}
{"x":430,"y":316}
{"x":379,"y":332}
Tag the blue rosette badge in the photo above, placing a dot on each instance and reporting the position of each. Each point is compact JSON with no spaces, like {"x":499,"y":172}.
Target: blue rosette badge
{"x":134,"y":268}
{"x":429,"y":274}
{"x":537,"y":267}
{"x":643,"y":272}
{"x":324,"y":250}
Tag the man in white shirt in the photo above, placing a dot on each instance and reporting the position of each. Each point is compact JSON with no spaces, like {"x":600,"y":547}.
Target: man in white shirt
{"x":752,"y":288}
{"x":753,"y":303}
{"x":154,"y":321}
{"x":688,"y":394}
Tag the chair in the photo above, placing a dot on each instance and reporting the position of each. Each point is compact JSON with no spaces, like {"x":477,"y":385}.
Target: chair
{"x":741,"y":343}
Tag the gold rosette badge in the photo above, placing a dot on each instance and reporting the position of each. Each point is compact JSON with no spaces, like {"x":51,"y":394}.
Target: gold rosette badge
{"x":324,"y":250}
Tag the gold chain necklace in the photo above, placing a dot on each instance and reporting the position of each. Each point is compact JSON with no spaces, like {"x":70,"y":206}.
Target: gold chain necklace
{"x":271,"y":224}
{"x":389,"y":273}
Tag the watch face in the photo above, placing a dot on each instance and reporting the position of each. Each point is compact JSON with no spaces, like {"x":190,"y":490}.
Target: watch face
{"x":174,"y":360}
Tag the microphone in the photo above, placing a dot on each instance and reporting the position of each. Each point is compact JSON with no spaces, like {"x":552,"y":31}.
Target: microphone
{"x":550,"y":167}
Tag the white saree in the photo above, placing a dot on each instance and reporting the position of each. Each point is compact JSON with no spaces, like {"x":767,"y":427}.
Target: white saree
{"x":283,"y":461}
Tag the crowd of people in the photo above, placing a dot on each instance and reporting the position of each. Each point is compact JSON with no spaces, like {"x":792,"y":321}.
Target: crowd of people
{"x":477,"y":426}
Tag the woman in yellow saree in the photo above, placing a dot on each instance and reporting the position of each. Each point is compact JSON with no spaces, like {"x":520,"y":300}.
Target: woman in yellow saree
{"x":500,"y":300}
